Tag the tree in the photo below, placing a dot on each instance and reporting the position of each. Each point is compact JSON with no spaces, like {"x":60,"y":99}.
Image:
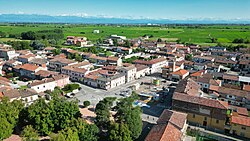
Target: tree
{"x":127,"y":43}
{"x":53,"y":116}
{"x":115,"y":42}
{"x":9,"y":114}
{"x":119,"y":132}
{"x":6,"y":128}
{"x":88,"y":132}
{"x":86,"y":104}
{"x":129,"y":115}
{"x":29,"y":134}
{"x":30,"y":35}
{"x":78,"y":57}
{"x":70,"y":134}
{"x":102,"y":112}
{"x":189,"y":57}
{"x":37,"y":45}
{"x":159,"y":40}
{"x":56,"y":51}
{"x":2,"y":34}
{"x":214,"y":40}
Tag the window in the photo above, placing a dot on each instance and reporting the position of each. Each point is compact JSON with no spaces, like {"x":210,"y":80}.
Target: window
{"x":193,"y":115}
{"x":243,"y":128}
{"x":205,"y":118}
{"x":217,"y":121}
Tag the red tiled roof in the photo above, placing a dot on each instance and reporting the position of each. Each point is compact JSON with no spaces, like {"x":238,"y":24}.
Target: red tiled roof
{"x":164,"y":132}
{"x":242,"y":120}
{"x":180,"y":72}
{"x":29,"y":67}
{"x":176,"y":118}
{"x":246,"y":88}
{"x":200,"y":100}
{"x":240,"y":110}
{"x":198,"y":73}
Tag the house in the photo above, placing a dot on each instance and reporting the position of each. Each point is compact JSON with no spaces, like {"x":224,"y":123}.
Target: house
{"x":28,"y":96}
{"x":233,"y":96}
{"x":26,"y":58}
{"x":77,"y":71}
{"x":201,"y":111}
{"x":96,"y":31}
{"x":154,"y":65}
{"x":39,"y":62}
{"x":78,"y":41}
{"x":124,"y":50}
{"x":41,"y":74}
{"x":49,"y":83}
{"x":203,"y":59}
{"x":217,"y":49}
{"x":49,"y":49}
{"x":29,"y":70}
{"x":57,"y":64}
{"x":179,"y":75}
{"x":141,"y":71}
{"x":117,"y":37}
{"x":205,"y":83}
{"x":240,"y":125}
{"x":129,"y":70}
{"x":189,"y":87}
{"x":104,"y":79}
{"x":171,"y":126}
{"x":8,"y":54}
{"x":12,"y":94}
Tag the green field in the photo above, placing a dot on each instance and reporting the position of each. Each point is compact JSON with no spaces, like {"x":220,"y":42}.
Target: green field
{"x":200,"y":35}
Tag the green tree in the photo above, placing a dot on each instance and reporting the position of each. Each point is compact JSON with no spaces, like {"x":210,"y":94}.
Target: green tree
{"x":88,"y":132}
{"x":2,"y":34}
{"x":6,"y":128}
{"x":52,"y":116}
{"x":9,"y":115}
{"x":119,"y":132}
{"x":127,"y":43}
{"x":86,"y":103}
{"x":37,"y":45}
{"x":70,"y":134}
{"x":29,"y":134}
{"x":189,"y":57}
{"x":129,"y":115}
{"x":56,"y":51}
{"x":57,"y":137}
{"x":102,"y":112}
{"x":115,"y":42}
{"x":30,"y":35}
{"x":159,"y":40}
{"x":78,"y":57}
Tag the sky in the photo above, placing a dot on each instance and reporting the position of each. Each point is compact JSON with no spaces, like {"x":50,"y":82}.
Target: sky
{"x":136,"y":9}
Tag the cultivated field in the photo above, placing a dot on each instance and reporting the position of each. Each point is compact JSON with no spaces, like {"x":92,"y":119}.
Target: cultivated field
{"x":194,"y":34}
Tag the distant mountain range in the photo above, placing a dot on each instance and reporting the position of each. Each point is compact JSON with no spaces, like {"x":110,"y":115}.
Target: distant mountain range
{"x":32,"y":18}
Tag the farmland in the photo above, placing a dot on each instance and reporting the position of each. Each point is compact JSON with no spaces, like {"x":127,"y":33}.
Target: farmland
{"x":191,"y":34}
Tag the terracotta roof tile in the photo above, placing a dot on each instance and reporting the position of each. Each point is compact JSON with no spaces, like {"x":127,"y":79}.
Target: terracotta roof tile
{"x":180,"y":72}
{"x":29,"y":67}
{"x":200,"y":100}
{"x":242,"y":120}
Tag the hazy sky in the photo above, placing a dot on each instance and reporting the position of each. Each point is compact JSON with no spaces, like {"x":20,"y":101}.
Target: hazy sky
{"x":166,"y":9}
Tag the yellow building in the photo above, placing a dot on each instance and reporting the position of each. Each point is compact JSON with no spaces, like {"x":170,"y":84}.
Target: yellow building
{"x":206,"y":121}
{"x":240,"y":125}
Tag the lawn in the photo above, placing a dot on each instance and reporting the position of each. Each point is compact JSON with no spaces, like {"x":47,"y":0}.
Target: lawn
{"x":200,"y":35}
